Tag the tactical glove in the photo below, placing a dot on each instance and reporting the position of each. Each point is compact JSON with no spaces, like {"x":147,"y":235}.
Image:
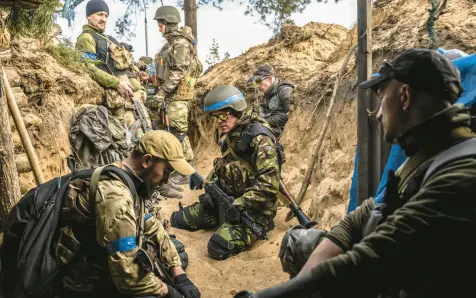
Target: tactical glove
{"x":206,"y":200}
{"x":186,"y":287}
{"x":172,"y":293}
{"x":196,"y":181}
{"x":233,"y":215}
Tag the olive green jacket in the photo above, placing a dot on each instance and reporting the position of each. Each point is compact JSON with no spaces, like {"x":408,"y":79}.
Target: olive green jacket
{"x":425,"y":248}
{"x":86,"y":44}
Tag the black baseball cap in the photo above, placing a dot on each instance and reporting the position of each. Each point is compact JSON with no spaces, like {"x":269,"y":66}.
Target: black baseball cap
{"x":423,"y":69}
{"x":262,"y":72}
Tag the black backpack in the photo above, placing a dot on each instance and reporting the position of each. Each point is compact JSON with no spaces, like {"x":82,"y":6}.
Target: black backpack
{"x":29,"y":265}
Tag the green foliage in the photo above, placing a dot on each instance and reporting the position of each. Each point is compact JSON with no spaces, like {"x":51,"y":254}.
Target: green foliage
{"x":66,"y":55}
{"x":213,"y":56}
{"x":34,"y":23}
{"x":226,"y":56}
{"x":272,"y":13}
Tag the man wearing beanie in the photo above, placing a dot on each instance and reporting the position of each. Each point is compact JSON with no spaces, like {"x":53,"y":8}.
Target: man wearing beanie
{"x":110,"y":64}
{"x":177,"y":68}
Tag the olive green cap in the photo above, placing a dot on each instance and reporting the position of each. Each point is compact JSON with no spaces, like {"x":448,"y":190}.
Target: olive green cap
{"x":223,"y":97}
{"x":167,"y":13}
{"x":166,"y":146}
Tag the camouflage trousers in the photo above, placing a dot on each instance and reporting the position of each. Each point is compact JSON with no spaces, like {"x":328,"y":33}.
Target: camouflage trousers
{"x":128,"y":119}
{"x":228,"y":240}
{"x":178,"y":122}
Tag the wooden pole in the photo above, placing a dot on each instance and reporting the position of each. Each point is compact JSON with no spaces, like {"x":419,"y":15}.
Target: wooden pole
{"x":9,"y":184}
{"x":364,"y":69}
{"x":20,"y":125}
{"x":190,"y":11}
{"x":312,"y":162}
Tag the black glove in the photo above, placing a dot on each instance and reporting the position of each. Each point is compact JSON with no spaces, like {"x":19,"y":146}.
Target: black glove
{"x":172,"y":293}
{"x":186,"y":287}
{"x":233,"y":215}
{"x":206,"y":200}
{"x":196,"y":181}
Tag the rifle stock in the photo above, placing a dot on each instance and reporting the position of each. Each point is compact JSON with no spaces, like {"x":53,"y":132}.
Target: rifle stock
{"x":165,"y":116}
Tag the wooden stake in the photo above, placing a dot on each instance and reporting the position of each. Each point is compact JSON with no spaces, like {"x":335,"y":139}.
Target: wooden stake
{"x":20,"y":125}
{"x":9,"y":184}
{"x":312,"y":162}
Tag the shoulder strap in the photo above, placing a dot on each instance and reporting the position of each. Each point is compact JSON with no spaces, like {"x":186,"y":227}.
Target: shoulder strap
{"x":93,"y":184}
{"x":464,"y":149}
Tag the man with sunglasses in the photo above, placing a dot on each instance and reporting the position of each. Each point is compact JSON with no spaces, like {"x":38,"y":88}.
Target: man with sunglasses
{"x":110,"y":263}
{"x":177,"y":68}
{"x":277,"y":98}
{"x":248,"y":171}
{"x":419,"y":241}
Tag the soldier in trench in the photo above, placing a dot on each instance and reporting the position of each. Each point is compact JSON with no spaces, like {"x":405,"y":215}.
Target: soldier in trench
{"x":396,"y":249}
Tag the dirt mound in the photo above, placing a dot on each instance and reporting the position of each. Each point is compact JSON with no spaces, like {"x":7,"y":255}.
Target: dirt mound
{"x":52,"y":92}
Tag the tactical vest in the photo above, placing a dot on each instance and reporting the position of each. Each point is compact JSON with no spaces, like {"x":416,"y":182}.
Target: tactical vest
{"x":274,"y":102}
{"x":186,"y":87}
{"x":242,"y":150}
{"x":102,"y":49}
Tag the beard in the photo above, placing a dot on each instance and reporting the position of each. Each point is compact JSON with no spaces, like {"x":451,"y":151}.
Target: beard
{"x":148,"y":187}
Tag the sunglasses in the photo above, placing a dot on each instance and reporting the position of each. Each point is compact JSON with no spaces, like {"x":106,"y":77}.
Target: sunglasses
{"x":221,"y":116}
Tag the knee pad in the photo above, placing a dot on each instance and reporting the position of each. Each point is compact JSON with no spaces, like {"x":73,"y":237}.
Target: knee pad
{"x":297,"y":246}
{"x":193,"y":218}
{"x":220,"y":249}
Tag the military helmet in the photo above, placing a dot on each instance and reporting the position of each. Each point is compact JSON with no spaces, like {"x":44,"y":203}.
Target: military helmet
{"x":146,"y":60}
{"x":223,"y":97}
{"x":169,"y":14}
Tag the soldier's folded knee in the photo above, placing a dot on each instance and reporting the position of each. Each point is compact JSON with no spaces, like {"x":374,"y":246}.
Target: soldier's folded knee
{"x":185,"y":220}
{"x":220,"y":249}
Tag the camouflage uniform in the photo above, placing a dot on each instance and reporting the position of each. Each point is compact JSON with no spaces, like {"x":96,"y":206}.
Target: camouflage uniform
{"x":94,"y":46}
{"x":177,"y":69}
{"x":109,"y":225}
{"x":254,"y":192}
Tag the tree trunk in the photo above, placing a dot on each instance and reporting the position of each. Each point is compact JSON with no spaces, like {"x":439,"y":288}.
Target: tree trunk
{"x":190,"y":11}
{"x":9,"y":185}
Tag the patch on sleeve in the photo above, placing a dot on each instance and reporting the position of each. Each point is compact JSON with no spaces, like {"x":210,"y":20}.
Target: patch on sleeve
{"x":269,"y":150}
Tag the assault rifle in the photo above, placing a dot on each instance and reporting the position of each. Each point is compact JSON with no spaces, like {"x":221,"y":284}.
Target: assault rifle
{"x":219,"y":196}
{"x":295,"y":209}
{"x":140,"y":114}
{"x":150,"y":262}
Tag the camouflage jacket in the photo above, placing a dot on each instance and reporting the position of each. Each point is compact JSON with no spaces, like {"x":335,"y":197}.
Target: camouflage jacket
{"x":424,"y":247}
{"x":174,"y":59}
{"x":256,"y":192}
{"x":107,"y":230}
{"x":101,"y":72}
{"x":275,"y":105}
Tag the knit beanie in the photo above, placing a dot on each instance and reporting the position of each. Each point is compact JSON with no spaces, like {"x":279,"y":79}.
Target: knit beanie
{"x":95,"y":6}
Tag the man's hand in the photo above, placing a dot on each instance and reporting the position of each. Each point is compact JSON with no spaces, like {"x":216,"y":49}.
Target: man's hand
{"x":125,"y":89}
{"x":196,"y":181}
{"x":186,"y":287}
{"x":233,"y":215}
{"x":143,"y":76}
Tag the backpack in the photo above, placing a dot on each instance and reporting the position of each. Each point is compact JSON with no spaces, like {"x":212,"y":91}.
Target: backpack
{"x":29,"y":264}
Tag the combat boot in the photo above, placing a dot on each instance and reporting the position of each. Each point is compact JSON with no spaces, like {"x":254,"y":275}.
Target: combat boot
{"x":178,"y":179}
{"x":167,"y":191}
{"x":175,"y":186}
